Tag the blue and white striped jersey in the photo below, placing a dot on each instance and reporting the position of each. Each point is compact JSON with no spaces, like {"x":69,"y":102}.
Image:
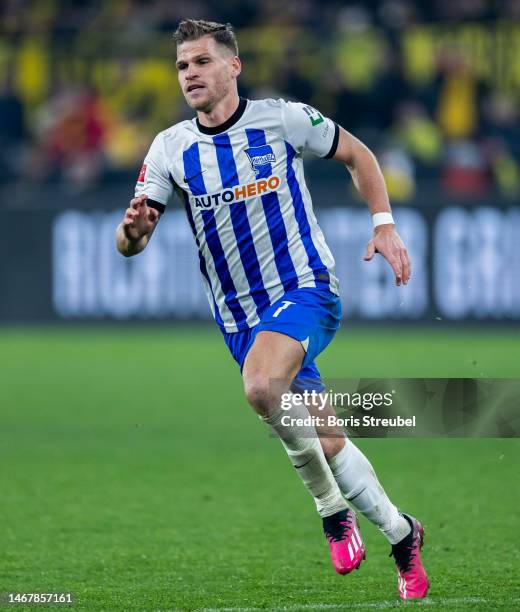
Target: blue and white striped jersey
{"x":247,"y":203}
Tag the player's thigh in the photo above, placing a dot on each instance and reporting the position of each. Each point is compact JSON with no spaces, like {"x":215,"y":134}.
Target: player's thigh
{"x":271,"y":364}
{"x":274,"y":354}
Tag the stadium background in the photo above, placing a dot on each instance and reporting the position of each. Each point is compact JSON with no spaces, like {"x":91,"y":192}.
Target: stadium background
{"x":117,"y":394}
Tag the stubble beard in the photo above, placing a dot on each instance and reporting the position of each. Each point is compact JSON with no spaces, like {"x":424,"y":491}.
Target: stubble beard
{"x":207,"y":105}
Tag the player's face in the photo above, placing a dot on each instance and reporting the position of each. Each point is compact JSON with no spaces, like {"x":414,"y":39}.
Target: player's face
{"x":207,"y":72}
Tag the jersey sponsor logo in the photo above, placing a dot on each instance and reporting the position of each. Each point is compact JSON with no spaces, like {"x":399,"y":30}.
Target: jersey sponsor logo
{"x":237,"y":193}
{"x":260,"y":157}
{"x":142,"y":174}
{"x":315,"y":117}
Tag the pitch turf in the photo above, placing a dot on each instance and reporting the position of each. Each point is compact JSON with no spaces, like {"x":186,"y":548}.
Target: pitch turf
{"x":133,"y":475}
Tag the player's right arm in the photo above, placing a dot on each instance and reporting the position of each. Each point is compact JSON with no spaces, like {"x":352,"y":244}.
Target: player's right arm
{"x":152,"y":191}
{"x":137,"y":227}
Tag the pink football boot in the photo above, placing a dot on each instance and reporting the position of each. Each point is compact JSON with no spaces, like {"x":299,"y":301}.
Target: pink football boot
{"x":346,"y":546}
{"x":412,"y":581}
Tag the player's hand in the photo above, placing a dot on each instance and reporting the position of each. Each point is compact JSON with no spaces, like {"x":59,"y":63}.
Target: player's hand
{"x":388,"y":242}
{"x":139,"y":219}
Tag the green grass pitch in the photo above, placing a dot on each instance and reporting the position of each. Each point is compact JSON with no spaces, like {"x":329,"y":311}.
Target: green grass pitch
{"x":134,"y":476}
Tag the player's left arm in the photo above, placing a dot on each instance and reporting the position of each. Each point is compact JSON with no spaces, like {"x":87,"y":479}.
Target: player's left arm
{"x":368,"y":179}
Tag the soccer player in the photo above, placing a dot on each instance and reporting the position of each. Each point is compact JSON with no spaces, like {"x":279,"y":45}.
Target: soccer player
{"x":268,"y":272}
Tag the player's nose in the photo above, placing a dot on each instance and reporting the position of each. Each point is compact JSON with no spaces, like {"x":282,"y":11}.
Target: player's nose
{"x":191,"y":72}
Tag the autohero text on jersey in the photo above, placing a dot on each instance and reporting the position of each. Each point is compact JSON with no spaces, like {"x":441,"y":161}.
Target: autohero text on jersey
{"x":237,"y":193}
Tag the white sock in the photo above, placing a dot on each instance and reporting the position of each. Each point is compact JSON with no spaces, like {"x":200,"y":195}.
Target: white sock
{"x":359,"y":484}
{"x":304,"y":449}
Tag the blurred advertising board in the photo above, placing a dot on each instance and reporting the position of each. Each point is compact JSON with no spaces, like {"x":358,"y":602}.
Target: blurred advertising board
{"x":63,"y":265}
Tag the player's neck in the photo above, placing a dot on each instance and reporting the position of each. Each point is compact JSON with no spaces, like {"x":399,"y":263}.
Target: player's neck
{"x":222,"y":111}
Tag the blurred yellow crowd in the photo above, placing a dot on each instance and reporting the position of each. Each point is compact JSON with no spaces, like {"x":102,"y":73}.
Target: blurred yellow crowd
{"x":435,"y":100}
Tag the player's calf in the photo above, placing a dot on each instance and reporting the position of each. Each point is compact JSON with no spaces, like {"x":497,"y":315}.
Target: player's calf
{"x":271,"y":364}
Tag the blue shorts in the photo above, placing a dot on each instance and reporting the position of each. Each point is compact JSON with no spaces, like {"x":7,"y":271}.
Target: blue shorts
{"x":311,"y":316}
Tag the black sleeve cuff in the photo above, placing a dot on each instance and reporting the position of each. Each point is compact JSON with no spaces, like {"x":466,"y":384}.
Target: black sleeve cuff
{"x":335,"y":140}
{"x":157,"y":205}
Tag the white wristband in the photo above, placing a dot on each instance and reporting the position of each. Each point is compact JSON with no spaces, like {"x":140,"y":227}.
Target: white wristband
{"x":382,"y":218}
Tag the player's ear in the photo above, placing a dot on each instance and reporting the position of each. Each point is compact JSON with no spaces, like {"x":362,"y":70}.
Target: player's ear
{"x":236,"y":66}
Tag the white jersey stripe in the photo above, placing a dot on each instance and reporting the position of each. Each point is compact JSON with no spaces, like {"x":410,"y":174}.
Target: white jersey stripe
{"x":316,"y":234}
{"x":319,"y":268}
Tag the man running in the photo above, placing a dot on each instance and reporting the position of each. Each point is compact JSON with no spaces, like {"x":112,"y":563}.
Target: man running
{"x":268,"y":272}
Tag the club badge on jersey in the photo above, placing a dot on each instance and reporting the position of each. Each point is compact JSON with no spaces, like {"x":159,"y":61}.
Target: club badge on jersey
{"x":260,"y":157}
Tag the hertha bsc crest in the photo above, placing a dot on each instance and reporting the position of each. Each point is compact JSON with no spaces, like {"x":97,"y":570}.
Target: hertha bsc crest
{"x":260,"y":157}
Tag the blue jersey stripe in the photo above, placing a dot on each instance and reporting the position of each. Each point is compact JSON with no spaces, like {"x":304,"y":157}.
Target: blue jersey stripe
{"x":275,"y":223}
{"x":193,"y":173}
{"x":226,"y":161}
{"x":240,"y":221}
{"x":202,"y":261}
{"x":321,"y":274}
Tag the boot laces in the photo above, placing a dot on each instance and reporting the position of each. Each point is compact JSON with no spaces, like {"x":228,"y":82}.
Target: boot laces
{"x":337,"y":530}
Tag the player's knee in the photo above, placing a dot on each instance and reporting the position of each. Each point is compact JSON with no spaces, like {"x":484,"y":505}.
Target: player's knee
{"x":260,"y":394}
